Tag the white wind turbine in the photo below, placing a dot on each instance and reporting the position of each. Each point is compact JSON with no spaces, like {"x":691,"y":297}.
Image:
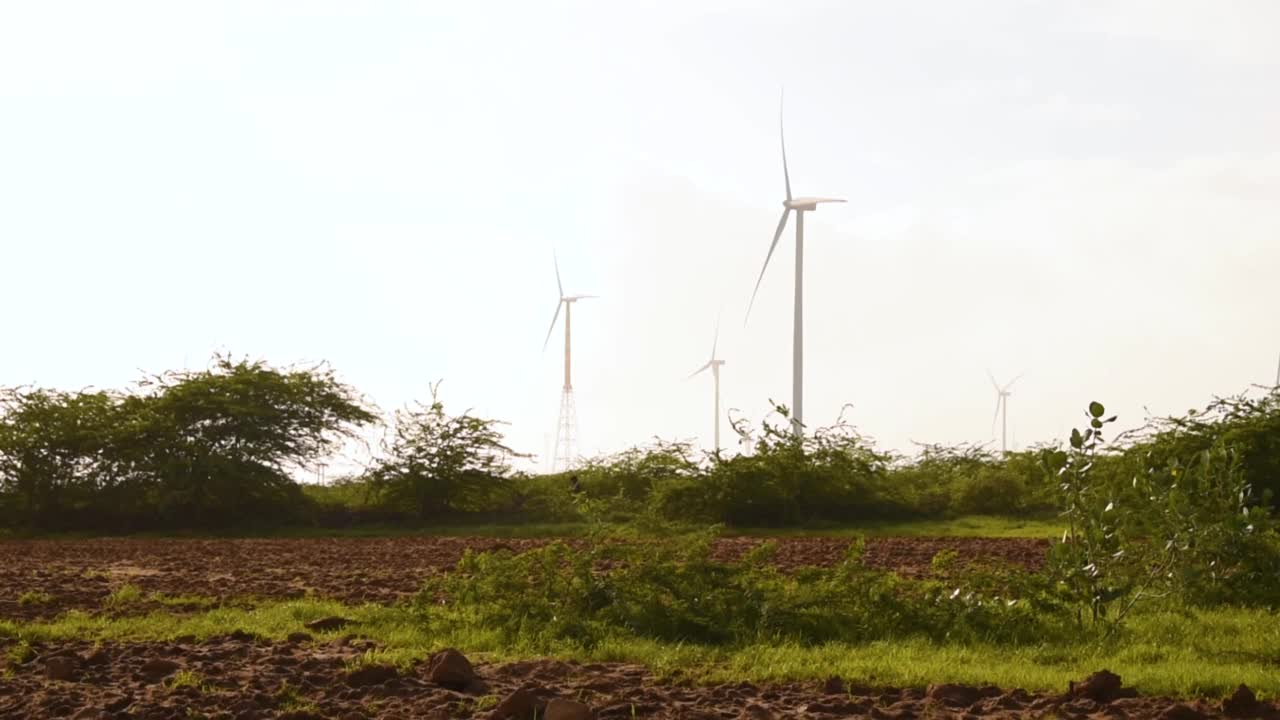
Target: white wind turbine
{"x":714,"y":365}
{"x":801,"y":205}
{"x":1002,"y":409}
{"x":566,"y":430}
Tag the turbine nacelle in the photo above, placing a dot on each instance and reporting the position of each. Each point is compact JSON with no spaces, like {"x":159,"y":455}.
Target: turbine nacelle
{"x":805,"y":204}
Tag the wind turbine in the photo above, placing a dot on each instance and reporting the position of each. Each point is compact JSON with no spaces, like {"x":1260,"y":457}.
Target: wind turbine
{"x":1002,"y":409}
{"x":801,"y":205}
{"x":566,"y":431}
{"x":714,"y":365}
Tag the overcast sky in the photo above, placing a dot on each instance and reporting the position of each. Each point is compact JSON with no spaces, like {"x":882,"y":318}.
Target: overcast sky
{"x":1087,"y":192}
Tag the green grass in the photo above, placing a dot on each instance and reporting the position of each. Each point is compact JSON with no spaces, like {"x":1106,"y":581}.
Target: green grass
{"x":126,"y":594}
{"x":35,"y":597}
{"x":187,"y":678}
{"x":1183,"y":654}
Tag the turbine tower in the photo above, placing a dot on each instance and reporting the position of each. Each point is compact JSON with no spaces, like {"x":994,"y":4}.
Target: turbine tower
{"x":567,"y":430}
{"x":714,"y":365}
{"x":1002,"y":409}
{"x":801,"y":205}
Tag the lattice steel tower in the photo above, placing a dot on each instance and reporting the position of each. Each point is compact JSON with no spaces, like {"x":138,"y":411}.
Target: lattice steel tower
{"x":567,"y":429}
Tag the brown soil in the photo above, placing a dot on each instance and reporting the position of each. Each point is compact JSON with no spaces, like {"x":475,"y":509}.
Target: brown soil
{"x":81,"y":574}
{"x":243,"y":678}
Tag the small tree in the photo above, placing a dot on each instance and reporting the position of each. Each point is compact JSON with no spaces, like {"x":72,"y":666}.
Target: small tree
{"x":437,"y":462}
{"x":52,"y":446}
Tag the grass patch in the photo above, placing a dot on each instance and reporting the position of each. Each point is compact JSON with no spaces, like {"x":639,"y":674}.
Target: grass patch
{"x":1182,"y":654}
{"x":34,"y":597}
{"x":187,"y":678}
{"x":123,"y":596}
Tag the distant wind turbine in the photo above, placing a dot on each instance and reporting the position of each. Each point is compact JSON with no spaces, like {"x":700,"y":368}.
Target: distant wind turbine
{"x":1002,"y":409}
{"x":801,"y":205}
{"x":714,"y":365}
{"x":566,"y":431}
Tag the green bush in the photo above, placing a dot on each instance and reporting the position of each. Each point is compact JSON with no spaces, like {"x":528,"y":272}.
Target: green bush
{"x":668,"y":588}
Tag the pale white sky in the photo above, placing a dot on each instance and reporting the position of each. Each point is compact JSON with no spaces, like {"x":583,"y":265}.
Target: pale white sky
{"x":381,"y":185}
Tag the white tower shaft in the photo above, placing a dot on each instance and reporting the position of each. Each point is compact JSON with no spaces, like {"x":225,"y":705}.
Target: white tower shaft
{"x":715,"y":372}
{"x":797,"y":340}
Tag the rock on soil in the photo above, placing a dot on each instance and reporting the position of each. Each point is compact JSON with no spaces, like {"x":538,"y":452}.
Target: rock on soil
{"x":450,"y":668}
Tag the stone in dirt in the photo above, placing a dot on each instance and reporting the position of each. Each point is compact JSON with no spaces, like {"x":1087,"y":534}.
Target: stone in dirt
{"x":519,"y":705}
{"x":299,"y":637}
{"x":371,"y":675}
{"x":561,"y":709}
{"x":326,"y":624}
{"x":159,"y":669}
{"x":1242,"y":704}
{"x":833,"y":686}
{"x":451,"y":669}
{"x":62,"y":668}
{"x":1102,"y":686}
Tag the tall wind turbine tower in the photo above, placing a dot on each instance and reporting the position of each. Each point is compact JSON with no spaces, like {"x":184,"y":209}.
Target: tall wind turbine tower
{"x":801,"y":205}
{"x":714,"y":365}
{"x":567,"y":429}
{"x":1002,"y":409}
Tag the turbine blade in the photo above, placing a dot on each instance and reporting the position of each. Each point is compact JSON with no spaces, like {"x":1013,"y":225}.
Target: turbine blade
{"x":1011,"y":382}
{"x":786,"y":176}
{"x":553,"y":325}
{"x":994,"y":384}
{"x":559,"y":284}
{"x":716,"y":341}
{"x":782,"y":224}
{"x":999,"y":400}
{"x":699,"y":371}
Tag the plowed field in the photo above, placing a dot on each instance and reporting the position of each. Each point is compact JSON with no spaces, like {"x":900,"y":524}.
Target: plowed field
{"x":42,"y":578}
{"x":304,"y":679}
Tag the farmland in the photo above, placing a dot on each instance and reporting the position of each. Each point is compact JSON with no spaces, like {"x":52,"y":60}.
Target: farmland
{"x":160,"y":561}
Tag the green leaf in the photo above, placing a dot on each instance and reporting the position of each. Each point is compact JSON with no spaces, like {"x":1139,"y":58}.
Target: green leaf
{"x":1096,"y":409}
{"x":1077,"y":441}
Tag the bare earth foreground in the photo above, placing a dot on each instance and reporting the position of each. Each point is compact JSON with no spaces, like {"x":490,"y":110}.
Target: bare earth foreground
{"x":238,"y":676}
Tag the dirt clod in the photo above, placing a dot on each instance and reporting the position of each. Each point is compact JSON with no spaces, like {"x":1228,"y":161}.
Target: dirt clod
{"x":561,"y":709}
{"x":953,"y":695}
{"x":450,"y":668}
{"x":1242,"y":704}
{"x":1102,"y":687}
{"x":371,"y":675}
{"x":158,"y":669}
{"x":756,"y":712}
{"x":1182,"y":711}
{"x":519,"y":705}
{"x":64,"y":668}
